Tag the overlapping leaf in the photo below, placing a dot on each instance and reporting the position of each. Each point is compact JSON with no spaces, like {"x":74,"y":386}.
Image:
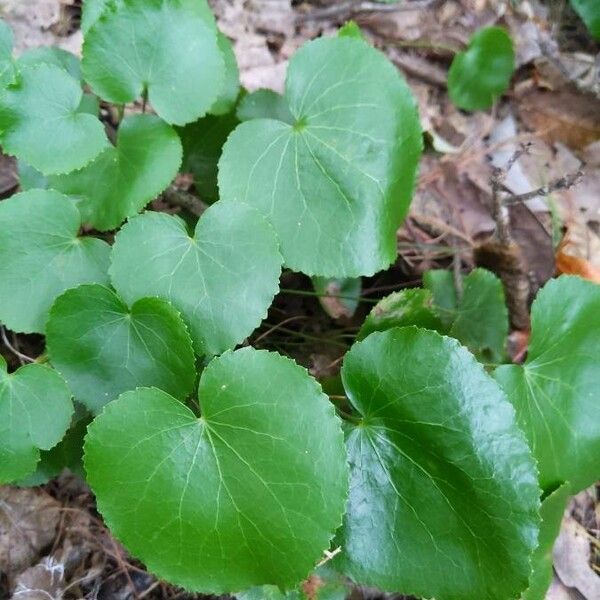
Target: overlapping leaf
{"x":440,"y":473}
{"x":337,"y":183}
{"x":35,"y":411}
{"x":165,"y":49}
{"x":7,"y":67}
{"x":51,"y":55}
{"x":264,"y":104}
{"x":248,"y":494}
{"x":123,"y":179}
{"x":231,"y":86}
{"x":41,"y":121}
{"x":103,"y":348}
{"x":482,"y":72}
{"x":556,"y":393}
{"x":222,"y":280}
{"x":41,"y":256}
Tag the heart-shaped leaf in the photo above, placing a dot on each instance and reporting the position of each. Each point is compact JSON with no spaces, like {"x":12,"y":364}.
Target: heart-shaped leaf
{"x":35,"y":411}
{"x":202,"y":146}
{"x":551,"y":511}
{"x":482,"y":72}
{"x":41,"y":121}
{"x":103,"y":348}
{"x":440,"y":474}
{"x":231,"y":87}
{"x":41,"y":256}
{"x":122,"y":180}
{"x":441,"y":285}
{"x":337,"y":183}
{"x":222,"y":280}
{"x":248,"y":494}
{"x":7,"y":65}
{"x":51,"y":55}
{"x":182,"y":75}
{"x":556,"y":393}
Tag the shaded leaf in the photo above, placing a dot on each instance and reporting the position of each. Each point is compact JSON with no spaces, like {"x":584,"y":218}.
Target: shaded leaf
{"x":482,"y":72}
{"x":40,"y":121}
{"x":222,"y":280}
{"x":51,"y":55}
{"x":337,"y":183}
{"x":589,"y":11}
{"x":264,"y":104}
{"x":182,"y":76}
{"x":338,"y":297}
{"x":555,"y":393}
{"x":250,"y":493}
{"x":35,"y":411}
{"x":102,"y":347}
{"x":231,"y":88}
{"x":41,"y":256}
{"x":441,"y":285}
{"x":440,"y":474}
{"x":123,"y":179}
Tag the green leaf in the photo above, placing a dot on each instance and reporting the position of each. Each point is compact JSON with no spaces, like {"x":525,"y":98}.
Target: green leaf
{"x":51,"y":55}
{"x":40,"y":121}
{"x":222,"y":280}
{"x":35,"y":411}
{"x":400,"y":309}
{"x":268,"y":592}
{"x":555,"y":393}
{"x":589,"y":11}
{"x":551,"y":512}
{"x":91,"y":12}
{"x":351,"y":29}
{"x":248,"y":494}
{"x":480,"y":74}
{"x":41,"y":256}
{"x":30,"y":178}
{"x":103,"y":348}
{"x":67,"y":454}
{"x":167,"y":50}
{"x":123,"y":179}
{"x":481,"y":321}
{"x":7,"y":64}
{"x":264,"y":104}
{"x":443,"y":489}
{"x":338,"y":297}
{"x":202,"y":146}
{"x":441,"y":285}
{"x":337,"y":183}
{"x":231,"y":88}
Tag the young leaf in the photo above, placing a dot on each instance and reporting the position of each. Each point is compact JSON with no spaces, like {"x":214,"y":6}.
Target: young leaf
{"x":441,"y":285}
{"x":481,"y":321}
{"x":338,"y":297}
{"x":248,"y":494}
{"x":338,"y":182}
{"x":231,"y":88}
{"x":555,"y":393}
{"x":40,"y":121}
{"x":67,"y":454}
{"x":440,"y":474}
{"x":482,"y":72}
{"x":165,"y":50}
{"x":551,"y":512}
{"x":41,"y":256}
{"x":264,"y":104}
{"x":400,"y":309}
{"x":50,"y":55}
{"x":123,"y":179}
{"x":589,"y":11}
{"x":222,"y":280}
{"x":7,"y":65}
{"x":103,"y":348}
{"x":35,"y":411}
{"x":202,"y":146}
{"x":351,"y":29}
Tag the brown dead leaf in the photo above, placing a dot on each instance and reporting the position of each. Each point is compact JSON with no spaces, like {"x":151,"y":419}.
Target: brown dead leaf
{"x":28,"y":521}
{"x":44,"y":581}
{"x":572,"y":560}
{"x":573,"y":265}
{"x":566,"y":115}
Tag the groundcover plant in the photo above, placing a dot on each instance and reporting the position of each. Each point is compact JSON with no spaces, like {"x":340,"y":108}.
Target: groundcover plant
{"x":225,"y":469}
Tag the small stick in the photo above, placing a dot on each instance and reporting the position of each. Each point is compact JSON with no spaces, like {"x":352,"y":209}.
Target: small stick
{"x":23,"y":358}
{"x":562,"y":183}
{"x":176,"y":197}
{"x":352,"y":7}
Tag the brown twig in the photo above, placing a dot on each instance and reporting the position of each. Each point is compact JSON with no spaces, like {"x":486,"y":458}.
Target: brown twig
{"x":23,"y":358}
{"x":176,"y":197}
{"x":353,"y":7}
{"x":562,"y":183}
